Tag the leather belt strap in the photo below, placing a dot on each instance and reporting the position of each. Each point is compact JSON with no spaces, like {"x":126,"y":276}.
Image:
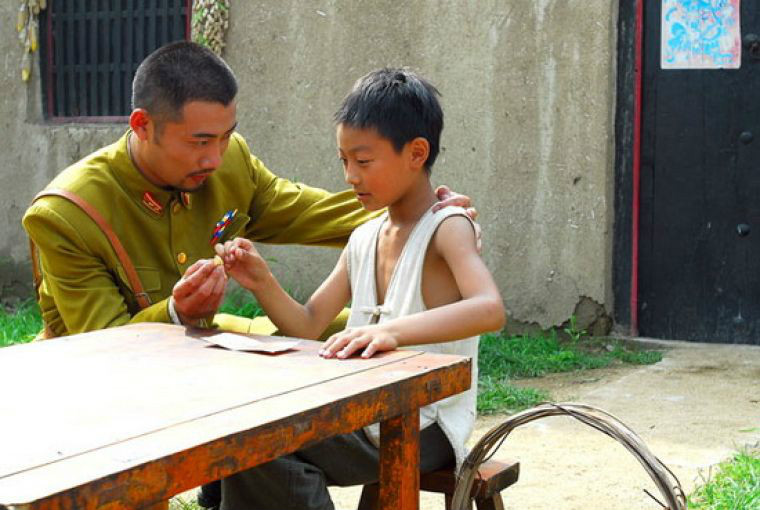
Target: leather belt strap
{"x":134,"y":281}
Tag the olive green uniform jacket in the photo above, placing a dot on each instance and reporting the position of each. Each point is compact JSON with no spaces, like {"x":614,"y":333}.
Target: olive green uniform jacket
{"x":84,"y":286}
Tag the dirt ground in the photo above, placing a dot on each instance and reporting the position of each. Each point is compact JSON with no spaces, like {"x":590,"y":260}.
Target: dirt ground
{"x":693,"y":409}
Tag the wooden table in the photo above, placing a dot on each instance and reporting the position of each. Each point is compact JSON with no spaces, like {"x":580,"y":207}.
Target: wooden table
{"x":127,"y":417}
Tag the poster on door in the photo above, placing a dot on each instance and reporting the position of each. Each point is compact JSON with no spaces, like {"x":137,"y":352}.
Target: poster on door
{"x":701,"y":34}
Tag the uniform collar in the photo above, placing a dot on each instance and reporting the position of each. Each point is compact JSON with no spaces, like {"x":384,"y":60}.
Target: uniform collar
{"x":150,"y":198}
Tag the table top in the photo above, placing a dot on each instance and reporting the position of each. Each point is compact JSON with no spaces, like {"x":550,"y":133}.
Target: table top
{"x":146,"y":409}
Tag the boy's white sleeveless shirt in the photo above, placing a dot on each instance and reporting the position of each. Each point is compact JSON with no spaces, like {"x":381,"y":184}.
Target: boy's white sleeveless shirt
{"x":456,"y":414}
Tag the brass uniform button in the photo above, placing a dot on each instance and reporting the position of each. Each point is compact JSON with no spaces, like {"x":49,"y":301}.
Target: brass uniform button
{"x":181,"y":257}
{"x":176,"y":207}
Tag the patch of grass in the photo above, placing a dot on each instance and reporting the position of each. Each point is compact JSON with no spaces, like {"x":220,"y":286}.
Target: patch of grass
{"x":635,"y":357}
{"x":496,"y":395}
{"x":734,"y":486}
{"x":242,"y":303}
{"x":502,"y":358}
{"x":180,"y":503}
{"x":523,"y":356}
{"x":21,"y":324}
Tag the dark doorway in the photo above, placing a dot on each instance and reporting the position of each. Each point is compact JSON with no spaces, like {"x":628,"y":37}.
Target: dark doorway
{"x":699,"y":230}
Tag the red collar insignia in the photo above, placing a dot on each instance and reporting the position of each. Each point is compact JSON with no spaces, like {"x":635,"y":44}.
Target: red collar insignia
{"x":151,"y":203}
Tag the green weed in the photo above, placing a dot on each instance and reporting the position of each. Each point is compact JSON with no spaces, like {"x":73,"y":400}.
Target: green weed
{"x":533,"y":356}
{"x":241,"y":302}
{"x":180,"y":503}
{"x":734,"y":486}
{"x":573,"y":331}
{"x":496,"y":395}
{"x":21,"y":324}
{"x":502,"y":358}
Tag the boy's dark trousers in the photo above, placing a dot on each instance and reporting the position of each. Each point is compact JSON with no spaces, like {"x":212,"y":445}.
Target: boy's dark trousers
{"x":299,"y":481}
{"x":210,"y":495}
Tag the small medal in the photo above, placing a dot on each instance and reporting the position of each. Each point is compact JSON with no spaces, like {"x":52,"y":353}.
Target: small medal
{"x":221,"y":225}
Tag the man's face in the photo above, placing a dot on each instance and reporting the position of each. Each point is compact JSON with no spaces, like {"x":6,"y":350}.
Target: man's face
{"x":183,"y":154}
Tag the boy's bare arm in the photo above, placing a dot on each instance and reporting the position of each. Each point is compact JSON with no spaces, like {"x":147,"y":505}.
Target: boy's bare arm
{"x":329,"y":298}
{"x":480,"y":310}
{"x":291,"y":317}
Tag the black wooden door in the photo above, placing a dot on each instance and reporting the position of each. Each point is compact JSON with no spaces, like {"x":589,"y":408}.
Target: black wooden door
{"x":699,"y":237}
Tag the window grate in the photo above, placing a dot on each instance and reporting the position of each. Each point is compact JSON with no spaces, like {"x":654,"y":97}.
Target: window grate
{"x":91,"y":49}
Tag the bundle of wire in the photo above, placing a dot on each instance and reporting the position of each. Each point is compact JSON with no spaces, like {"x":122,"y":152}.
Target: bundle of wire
{"x":664,"y":479}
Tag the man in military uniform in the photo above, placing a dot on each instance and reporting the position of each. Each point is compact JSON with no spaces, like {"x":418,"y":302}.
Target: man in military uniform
{"x":178,"y":181}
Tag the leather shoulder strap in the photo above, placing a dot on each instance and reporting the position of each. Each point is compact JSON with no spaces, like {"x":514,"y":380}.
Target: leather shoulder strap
{"x":134,"y":281}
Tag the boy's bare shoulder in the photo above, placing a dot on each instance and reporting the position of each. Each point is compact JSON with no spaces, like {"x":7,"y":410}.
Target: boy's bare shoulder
{"x":456,"y":232}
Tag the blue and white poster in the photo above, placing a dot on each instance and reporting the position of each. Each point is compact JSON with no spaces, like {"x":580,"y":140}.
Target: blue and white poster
{"x":701,"y":34}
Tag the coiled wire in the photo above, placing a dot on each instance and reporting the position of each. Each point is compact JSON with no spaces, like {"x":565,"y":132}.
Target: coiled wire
{"x":665,"y":480}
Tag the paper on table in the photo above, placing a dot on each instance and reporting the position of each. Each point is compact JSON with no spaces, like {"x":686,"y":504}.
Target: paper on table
{"x":236,"y":342}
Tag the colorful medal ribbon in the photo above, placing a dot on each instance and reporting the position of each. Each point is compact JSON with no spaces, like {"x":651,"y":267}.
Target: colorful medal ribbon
{"x":221,"y":225}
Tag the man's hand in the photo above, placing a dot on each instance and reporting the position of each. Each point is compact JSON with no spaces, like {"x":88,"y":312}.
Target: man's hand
{"x":200,"y":291}
{"x":447,"y":197}
{"x":372,"y":339}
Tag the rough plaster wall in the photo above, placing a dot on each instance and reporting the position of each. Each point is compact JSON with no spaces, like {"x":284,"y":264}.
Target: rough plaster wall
{"x":32,"y":154}
{"x":527,"y":92}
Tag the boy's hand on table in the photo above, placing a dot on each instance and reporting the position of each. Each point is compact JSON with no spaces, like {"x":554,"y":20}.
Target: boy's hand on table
{"x":372,"y":339}
{"x":244,"y":263}
{"x":200,"y":291}
{"x":447,"y":198}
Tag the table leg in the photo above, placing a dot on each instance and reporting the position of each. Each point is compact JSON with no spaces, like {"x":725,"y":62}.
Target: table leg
{"x":400,"y":462}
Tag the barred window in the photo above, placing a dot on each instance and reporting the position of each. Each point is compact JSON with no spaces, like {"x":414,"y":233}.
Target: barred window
{"x":90,"y":49}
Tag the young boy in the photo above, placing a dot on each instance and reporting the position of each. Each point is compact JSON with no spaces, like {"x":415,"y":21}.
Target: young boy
{"x":414,"y":278}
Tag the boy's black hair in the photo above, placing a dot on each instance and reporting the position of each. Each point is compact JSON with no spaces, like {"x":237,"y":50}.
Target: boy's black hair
{"x":177,"y":74}
{"x":400,"y":105}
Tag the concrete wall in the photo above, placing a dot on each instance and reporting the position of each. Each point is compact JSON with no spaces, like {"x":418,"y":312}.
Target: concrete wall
{"x":33,"y":152}
{"x":527,"y":90}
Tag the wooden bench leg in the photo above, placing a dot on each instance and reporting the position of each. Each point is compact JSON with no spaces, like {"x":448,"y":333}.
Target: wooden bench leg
{"x":493,"y":477}
{"x":493,"y":503}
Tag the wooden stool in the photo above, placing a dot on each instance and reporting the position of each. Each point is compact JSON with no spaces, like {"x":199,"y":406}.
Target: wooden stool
{"x":493,"y":477}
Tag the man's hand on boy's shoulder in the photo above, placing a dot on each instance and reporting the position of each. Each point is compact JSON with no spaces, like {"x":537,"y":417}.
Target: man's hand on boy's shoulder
{"x":448,"y":198}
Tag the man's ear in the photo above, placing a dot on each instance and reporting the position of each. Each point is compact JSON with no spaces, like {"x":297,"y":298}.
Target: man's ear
{"x":419,"y":150}
{"x":141,"y":123}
